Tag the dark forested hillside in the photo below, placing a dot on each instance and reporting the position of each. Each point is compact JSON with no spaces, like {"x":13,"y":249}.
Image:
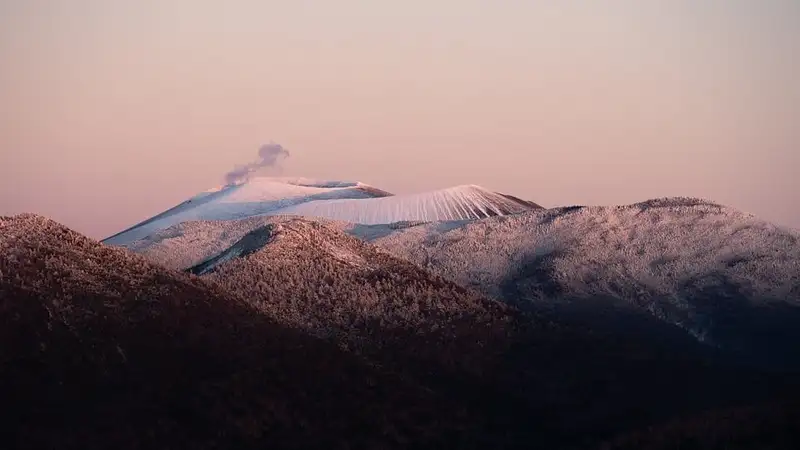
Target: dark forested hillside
{"x":769,"y":426}
{"x":101,"y":349}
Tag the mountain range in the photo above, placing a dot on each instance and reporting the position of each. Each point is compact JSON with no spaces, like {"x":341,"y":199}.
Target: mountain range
{"x":349,"y":201}
{"x":305,"y":313}
{"x":724,"y":277}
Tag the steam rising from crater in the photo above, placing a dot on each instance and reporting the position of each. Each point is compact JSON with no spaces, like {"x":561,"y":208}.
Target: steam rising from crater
{"x":269,"y":156}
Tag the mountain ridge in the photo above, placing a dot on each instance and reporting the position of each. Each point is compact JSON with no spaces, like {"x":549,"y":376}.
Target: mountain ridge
{"x":726,"y":277}
{"x":690,"y":262}
{"x":329,"y":199}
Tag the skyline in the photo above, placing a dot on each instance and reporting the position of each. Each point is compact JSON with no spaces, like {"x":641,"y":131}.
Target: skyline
{"x":115,"y":111}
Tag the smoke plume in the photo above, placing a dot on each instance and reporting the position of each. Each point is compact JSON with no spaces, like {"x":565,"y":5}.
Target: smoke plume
{"x":268,"y":155}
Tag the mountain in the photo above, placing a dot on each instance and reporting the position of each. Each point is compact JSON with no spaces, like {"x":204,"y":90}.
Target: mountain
{"x":540,"y":378}
{"x":727,"y":278}
{"x":299,"y":336}
{"x":350,"y":201}
{"x":102,"y":349}
{"x":313,"y":277}
{"x":250,"y":198}
{"x":456,"y":203}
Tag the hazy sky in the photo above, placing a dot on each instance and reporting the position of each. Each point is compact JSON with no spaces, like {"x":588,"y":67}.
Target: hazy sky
{"x":114,"y":110}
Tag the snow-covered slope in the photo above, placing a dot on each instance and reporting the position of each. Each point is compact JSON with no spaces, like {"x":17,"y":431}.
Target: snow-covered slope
{"x":725,"y":277}
{"x":340,"y":200}
{"x":456,"y":203}
{"x":254,"y":197}
{"x":189,"y":243}
{"x":319,"y":280}
{"x":659,"y":244}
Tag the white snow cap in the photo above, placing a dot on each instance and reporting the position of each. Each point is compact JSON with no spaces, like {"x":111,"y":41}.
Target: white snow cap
{"x":455,"y":203}
{"x":350,"y":201}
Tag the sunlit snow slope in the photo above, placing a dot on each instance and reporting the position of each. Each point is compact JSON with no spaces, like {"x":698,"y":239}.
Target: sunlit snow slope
{"x":456,"y":203}
{"x":724,"y":276}
{"x":339,"y":200}
{"x":255,"y":197}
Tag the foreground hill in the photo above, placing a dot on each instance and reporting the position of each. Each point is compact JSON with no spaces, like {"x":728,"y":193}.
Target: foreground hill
{"x":101,"y":349}
{"x":726,"y":278}
{"x":315,"y":278}
{"x":354,"y":202}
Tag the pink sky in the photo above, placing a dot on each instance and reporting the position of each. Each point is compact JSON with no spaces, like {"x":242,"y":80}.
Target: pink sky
{"x":112,"y":111}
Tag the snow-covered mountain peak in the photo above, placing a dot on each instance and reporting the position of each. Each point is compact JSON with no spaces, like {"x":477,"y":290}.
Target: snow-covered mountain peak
{"x":256,"y":196}
{"x":465,"y":202}
{"x":350,"y":201}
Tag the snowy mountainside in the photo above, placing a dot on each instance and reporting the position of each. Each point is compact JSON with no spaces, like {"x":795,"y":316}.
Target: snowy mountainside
{"x":455,"y":203}
{"x":187,"y":244}
{"x":338,"y":200}
{"x":289,"y":235}
{"x":313,"y":277}
{"x":250,"y":243}
{"x":726,"y":277}
{"x":236,"y":201}
{"x":658,"y":242}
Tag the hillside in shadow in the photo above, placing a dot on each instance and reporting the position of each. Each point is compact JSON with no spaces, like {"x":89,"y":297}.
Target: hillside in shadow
{"x":101,"y":349}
